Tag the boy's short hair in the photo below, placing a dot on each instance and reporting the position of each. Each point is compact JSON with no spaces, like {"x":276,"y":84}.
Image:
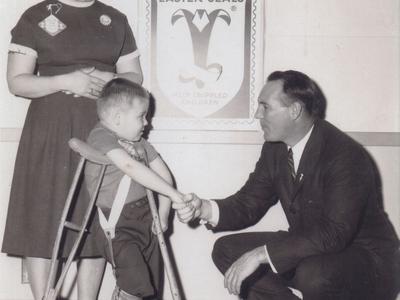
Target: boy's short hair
{"x":120,"y":93}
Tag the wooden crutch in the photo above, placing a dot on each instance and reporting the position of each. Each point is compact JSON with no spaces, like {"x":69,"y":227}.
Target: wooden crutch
{"x":86,"y":153}
{"x":160,"y":236}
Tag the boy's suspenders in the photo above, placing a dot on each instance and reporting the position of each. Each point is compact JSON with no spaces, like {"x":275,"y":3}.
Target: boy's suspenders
{"x":141,"y":155}
{"x":108,"y":226}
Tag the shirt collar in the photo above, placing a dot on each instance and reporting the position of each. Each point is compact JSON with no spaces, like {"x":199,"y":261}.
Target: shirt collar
{"x":298,"y":149}
{"x":101,"y":124}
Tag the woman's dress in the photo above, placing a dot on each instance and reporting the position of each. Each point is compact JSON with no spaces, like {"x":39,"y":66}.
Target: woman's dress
{"x":98,"y":36}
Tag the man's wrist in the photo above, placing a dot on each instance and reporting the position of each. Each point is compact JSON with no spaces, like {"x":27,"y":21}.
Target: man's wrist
{"x":262,"y":255}
{"x":205,"y":210}
{"x":209,"y":214}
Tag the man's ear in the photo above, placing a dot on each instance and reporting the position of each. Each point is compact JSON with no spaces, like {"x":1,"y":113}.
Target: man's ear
{"x":295,"y":110}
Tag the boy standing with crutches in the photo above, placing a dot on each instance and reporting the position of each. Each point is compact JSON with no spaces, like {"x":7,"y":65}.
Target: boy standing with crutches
{"x":127,"y":237}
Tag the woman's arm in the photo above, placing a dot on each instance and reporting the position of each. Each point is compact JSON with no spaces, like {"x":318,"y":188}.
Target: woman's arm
{"x":129,"y":69}
{"x":23,"y":82}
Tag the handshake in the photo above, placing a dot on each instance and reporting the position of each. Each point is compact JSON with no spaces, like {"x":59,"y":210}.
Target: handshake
{"x":192,"y":207}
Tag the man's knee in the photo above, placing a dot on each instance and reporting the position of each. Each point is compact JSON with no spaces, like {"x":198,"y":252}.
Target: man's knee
{"x":226,"y":250}
{"x":310,"y":279}
{"x":222,"y":254}
{"x":229,"y":248}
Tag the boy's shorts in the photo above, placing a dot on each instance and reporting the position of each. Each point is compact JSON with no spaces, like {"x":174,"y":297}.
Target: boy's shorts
{"x":136,"y":253}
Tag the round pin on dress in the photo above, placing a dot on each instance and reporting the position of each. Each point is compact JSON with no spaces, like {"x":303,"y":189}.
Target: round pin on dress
{"x":105,"y":20}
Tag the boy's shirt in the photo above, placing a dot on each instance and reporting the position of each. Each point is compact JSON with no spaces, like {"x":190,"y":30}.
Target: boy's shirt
{"x":104,"y":140}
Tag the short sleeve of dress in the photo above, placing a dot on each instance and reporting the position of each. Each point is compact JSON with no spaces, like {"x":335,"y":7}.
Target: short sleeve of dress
{"x":103,"y":140}
{"x":23,"y":37}
{"x":152,"y":153}
{"x":129,"y":48}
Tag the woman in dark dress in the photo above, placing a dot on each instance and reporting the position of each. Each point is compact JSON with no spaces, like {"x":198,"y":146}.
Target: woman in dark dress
{"x":61,"y":55}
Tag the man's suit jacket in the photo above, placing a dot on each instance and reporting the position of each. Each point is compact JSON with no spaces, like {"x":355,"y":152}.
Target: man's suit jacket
{"x":335,"y":201}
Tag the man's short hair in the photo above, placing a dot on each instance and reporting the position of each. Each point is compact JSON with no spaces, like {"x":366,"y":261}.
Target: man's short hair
{"x":299,"y":87}
{"x":120,"y":93}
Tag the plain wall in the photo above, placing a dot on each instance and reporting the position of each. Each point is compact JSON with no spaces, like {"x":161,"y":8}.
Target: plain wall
{"x":351,"y":48}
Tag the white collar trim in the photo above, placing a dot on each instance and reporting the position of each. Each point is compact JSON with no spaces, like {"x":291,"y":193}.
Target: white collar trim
{"x":77,"y":3}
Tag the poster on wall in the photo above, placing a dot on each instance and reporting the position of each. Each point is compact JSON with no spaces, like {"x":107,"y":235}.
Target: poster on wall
{"x":203,"y":62}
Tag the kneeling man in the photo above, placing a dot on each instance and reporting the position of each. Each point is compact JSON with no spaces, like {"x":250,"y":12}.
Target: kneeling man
{"x":340,"y":243}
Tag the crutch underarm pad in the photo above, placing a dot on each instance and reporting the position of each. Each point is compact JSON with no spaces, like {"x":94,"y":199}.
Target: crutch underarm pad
{"x":88,"y":152}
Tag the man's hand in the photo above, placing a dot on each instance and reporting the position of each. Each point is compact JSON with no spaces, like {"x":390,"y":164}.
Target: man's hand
{"x":190,"y":209}
{"x":243,"y":267}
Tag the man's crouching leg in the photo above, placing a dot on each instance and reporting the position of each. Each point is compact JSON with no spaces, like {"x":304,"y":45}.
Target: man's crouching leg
{"x":263,"y":283}
{"x":351,"y":274}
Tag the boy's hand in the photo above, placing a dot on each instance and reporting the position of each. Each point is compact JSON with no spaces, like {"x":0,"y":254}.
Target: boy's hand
{"x":164,"y":227}
{"x":190,"y":209}
{"x":163,"y":217}
{"x":193,"y":208}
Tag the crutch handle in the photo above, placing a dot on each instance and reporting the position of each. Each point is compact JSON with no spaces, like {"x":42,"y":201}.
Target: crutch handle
{"x":88,"y":152}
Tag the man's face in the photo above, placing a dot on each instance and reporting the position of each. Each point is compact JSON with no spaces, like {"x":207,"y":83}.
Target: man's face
{"x":274,"y":115}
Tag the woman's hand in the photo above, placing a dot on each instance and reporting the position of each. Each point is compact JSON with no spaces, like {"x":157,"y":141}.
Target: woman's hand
{"x":82,"y":83}
{"x":103,"y":75}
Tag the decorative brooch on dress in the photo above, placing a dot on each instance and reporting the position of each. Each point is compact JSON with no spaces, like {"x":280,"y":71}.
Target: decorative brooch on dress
{"x":51,"y":24}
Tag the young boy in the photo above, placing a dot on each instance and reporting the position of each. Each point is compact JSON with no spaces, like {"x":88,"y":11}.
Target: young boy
{"x":122,"y":110}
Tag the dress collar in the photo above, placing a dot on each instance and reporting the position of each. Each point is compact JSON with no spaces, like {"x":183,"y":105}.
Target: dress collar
{"x":77,"y":3}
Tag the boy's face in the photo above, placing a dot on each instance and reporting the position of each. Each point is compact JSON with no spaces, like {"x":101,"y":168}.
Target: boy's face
{"x":133,"y":120}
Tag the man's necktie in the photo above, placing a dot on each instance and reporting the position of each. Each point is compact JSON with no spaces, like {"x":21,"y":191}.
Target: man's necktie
{"x":291,"y":164}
